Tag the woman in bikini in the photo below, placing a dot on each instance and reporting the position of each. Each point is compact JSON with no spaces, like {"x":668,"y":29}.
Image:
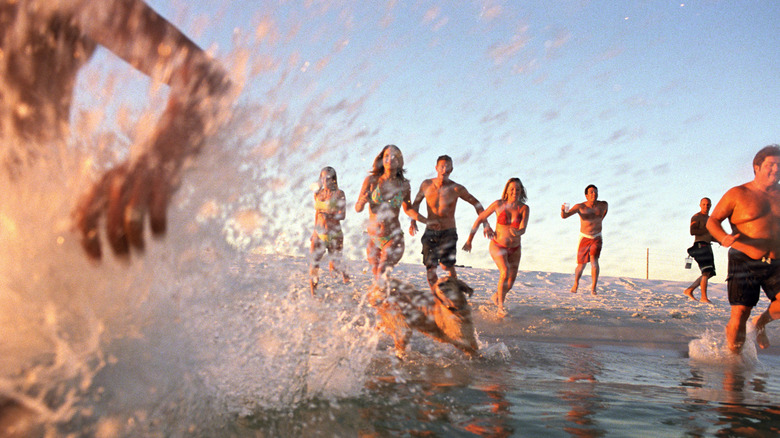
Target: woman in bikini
{"x":329,"y":205}
{"x":385,"y":190}
{"x":511,"y":221}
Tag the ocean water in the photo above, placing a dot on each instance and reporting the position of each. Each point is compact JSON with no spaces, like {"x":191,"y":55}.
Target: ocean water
{"x":235,"y":346}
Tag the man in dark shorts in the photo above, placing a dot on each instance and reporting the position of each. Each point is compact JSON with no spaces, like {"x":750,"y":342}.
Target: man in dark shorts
{"x":439,"y":241}
{"x":753,"y":210}
{"x":701,"y":251}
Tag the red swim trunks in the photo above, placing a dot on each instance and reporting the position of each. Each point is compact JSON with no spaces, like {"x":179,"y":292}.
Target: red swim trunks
{"x":588,"y":249}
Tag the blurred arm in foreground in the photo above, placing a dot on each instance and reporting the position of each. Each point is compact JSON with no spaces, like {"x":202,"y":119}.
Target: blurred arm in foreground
{"x":44,"y":43}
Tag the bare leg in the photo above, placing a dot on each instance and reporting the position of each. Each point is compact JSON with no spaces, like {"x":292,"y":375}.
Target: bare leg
{"x":513,"y":261}
{"x":770,"y":314}
{"x":736,"y":327}
{"x":335,"y":266}
{"x":500,"y":257}
{"x":317,"y":252}
{"x":313,"y":280}
{"x":689,"y":290}
{"x":594,"y":272}
{"x":432,"y":277}
{"x":577,"y":276}
{"x":704,"y":280}
{"x":450,"y":270}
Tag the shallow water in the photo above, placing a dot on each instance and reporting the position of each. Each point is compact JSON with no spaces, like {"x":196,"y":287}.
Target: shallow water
{"x":245,"y":351}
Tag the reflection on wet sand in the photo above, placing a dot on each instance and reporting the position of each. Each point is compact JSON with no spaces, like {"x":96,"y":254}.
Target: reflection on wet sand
{"x":739,"y":399}
{"x":738,"y":416}
{"x":581,"y":369}
{"x":496,"y":425}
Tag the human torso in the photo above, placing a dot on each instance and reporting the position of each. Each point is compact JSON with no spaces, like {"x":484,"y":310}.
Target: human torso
{"x":699,"y":225}
{"x":509,"y":219}
{"x":386,"y":196}
{"x":591,"y":217}
{"x":756,"y":217}
{"x":441,"y":198}
{"x":329,"y":206}
{"x":42,"y":51}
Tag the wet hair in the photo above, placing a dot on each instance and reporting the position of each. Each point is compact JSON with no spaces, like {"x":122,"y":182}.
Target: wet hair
{"x":522,"y":195}
{"x":772,"y":150}
{"x":446,"y":158}
{"x":331,"y":174}
{"x":378,"y":168}
{"x":589,"y":186}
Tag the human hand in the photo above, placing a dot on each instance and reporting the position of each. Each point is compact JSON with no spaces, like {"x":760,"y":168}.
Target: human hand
{"x":488,"y":232}
{"x":413,"y":228}
{"x":729,"y":240}
{"x":125,"y":195}
{"x":467,"y":246}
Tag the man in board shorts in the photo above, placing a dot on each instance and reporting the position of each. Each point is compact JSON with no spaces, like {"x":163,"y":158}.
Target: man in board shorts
{"x":592,"y":213}
{"x":439,"y":241}
{"x":753,"y":210}
{"x":701,"y":251}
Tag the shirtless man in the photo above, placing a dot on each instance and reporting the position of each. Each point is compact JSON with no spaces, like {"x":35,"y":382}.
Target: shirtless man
{"x":441,"y":236}
{"x":592,"y":213}
{"x":753,"y":210}
{"x":44,"y":43}
{"x":701,"y":250}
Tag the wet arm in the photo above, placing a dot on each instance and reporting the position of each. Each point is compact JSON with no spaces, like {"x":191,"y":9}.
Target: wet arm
{"x":572,"y":211}
{"x":363,"y":197}
{"x":468,"y":197}
{"x":722,"y":211}
{"x":416,"y":207}
{"x":407,"y":205}
{"x":136,"y":33}
{"x":526,"y":210}
{"x":341,"y":201}
{"x":482,"y":217}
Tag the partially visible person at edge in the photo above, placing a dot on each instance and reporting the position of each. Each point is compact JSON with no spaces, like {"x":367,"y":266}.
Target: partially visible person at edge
{"x":43,"y":44}
{"x":592,"y":213}
{"x":386,"y":191}
{"x":753,"y":211}
{"x":329,"y":206}
{"x":511,"y":221}
{"x":701,"y":251}
{"x":440,"y":239}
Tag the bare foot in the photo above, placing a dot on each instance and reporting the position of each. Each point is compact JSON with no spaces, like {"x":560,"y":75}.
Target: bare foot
{"x":689,"y":293}
{"x":313,"y":285}
{"x":501,"y":312}
{"x":705,"y":300}
{"x":761,"y":339}
{"x":494,"y":299}
{"x":574,"y":289}
{"x":593,"y":292}
{"x":346,"y":278}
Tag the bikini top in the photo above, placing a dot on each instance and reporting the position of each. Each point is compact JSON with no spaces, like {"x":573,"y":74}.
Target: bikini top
{"x":328,"y":206}
{"x":394,"y":202}
{"x":503,"y":220}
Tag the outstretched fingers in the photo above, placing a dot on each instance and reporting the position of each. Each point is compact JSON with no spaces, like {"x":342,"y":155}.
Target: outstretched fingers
{"x":126,"y":197}
{"x":158,"y":201}
{"x":115,"y":215}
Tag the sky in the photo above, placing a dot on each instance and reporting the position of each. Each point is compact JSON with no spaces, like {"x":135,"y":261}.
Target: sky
{"x":658,"y":103}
